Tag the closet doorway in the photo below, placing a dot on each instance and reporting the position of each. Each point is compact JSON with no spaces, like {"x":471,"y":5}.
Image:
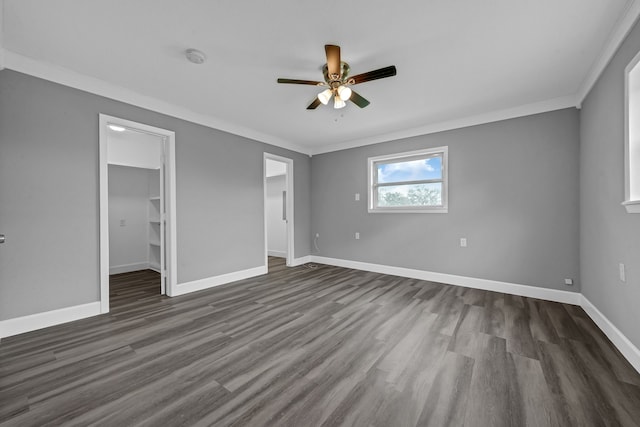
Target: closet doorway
{"x":278,"y":208}
{"x":137,"y":209}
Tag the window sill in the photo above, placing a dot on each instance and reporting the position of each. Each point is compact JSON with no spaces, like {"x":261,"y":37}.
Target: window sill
{"x":632,"y":206}
{"x":420,"y":211}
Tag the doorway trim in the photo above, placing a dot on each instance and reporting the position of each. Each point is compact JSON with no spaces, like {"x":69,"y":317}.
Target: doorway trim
{"x":169,"y":150}
{"x":289,"y":207}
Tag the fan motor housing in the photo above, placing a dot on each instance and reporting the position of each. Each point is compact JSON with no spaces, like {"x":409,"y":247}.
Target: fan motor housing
{"x":344,"y":72}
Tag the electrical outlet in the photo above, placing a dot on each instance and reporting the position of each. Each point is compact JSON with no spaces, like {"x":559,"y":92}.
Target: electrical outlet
{"x":357,"y":197}
{"x":357,"y":236}
{"x":622,"y":272}
{"x":123,"y":222}
{"x":568,"y":282}
{"x":463,"y":242}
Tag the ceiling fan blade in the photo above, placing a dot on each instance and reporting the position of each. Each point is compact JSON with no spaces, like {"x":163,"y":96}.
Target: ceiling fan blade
{"x":358,"y":100}
{"x":380,"y":73}
{"x":301,"y":82}
{"x":333,"y":58}
{"x":316,"y":102}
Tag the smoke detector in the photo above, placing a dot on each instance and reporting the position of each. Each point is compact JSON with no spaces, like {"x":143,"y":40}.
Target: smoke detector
{"x":195,"y":56}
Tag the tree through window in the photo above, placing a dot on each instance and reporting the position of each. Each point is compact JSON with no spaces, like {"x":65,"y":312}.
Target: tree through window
{"x":409,"y":182}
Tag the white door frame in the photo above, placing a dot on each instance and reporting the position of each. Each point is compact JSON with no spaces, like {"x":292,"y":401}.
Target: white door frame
{"x":169,"y":138}
{"x":289,"y":206}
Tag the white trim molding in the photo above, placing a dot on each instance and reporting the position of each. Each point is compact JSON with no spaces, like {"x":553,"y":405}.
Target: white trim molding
{"x":300,"y":261}
{"x":169,"y":159}
{"x":20,"y":325}
{"x":451,"y":279}
{"x":622,"y":343}
{"x":374,"y":184}
{"x":70,"y":78}
{"x":213,"y":281}
{"x":64,"y":76}
{"x":458,"y":123}
{"x":279,"y":254}
{"x":289,"y":206}
{"x":619,"y":33}
{"x":619,"y":340}
{"x":1,"y":35}
{"x":127,"y":268}
{"x":44,"y":70}
{"x":33,"y":322}
{"x":631,"y":144}
{"x":632,"y":206}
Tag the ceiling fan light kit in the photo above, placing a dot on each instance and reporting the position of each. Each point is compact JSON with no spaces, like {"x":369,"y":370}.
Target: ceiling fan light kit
{"x":325,"y":96}
{"x":338,"y":103}
{"x":337,"y":81}
{"x":344,"y":93}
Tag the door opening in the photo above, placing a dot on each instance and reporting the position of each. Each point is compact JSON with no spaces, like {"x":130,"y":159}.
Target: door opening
{"x":278,"y":208}
{"x":137,"y":208}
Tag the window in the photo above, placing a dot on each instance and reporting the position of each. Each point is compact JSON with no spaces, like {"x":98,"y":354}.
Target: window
{"x":632,"y":137}
{"x":409,"y":182}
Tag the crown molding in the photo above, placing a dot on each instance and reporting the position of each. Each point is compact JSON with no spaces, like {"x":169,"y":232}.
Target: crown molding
{"x":621,"y":30}
{"x":70,"y":78}
{"x":14,"y":61}
{"x":479,"y":119}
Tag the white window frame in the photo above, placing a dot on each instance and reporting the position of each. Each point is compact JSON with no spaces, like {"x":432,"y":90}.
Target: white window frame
{"x":408,"y":156}
{"x":631,"y":163}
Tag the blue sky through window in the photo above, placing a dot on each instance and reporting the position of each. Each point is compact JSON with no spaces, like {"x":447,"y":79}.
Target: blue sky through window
{"x":414,"y":170}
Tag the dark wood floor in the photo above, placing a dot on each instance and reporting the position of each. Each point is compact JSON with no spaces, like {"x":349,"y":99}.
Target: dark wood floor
{"x":319,"y":347}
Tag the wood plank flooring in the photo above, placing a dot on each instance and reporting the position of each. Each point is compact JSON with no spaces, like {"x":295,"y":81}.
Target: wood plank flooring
{"x":321,"y":346}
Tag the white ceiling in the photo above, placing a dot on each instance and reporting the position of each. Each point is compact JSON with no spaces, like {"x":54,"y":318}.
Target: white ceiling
{"x":458,"y":62}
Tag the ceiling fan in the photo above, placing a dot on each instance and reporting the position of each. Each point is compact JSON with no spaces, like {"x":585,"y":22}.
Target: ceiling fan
{"x":337,"y":81}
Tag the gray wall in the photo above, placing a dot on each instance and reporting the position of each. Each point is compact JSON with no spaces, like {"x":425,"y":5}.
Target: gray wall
{"x":49,"y":187}
{"x":276,"y":226}
{"x":49,"y":192}
{"x":128,"y":202}
{"x":513,"y":194}
{"x":609,"y":235}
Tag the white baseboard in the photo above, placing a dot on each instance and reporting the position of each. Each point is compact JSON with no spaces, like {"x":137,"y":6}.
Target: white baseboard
{"x":126,"y":268}
{"x":210,"y":282}
{"x":279,"y":254}
{"x":622,"y":343}
{"x":451,"y":279}
{"x":300,"y":261}
{"x":20,"y":325}
{"x":33,"y":322}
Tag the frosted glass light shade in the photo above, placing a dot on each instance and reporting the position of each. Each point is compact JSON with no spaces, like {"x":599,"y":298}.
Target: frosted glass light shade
{"x":325,"y":96}
{"x":338,"y":103}
{"x":344,"y":93}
